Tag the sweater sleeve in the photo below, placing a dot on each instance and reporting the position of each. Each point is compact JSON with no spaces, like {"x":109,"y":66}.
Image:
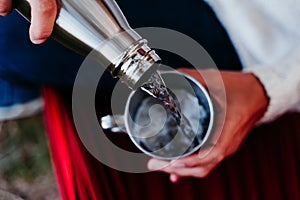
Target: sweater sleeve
{"x":266,"y":37}
{"x":282,"y":85}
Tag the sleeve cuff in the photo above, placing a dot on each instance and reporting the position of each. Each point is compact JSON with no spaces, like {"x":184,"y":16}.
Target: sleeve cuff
{"x":21,"y":110}
{"x":281,"y":89}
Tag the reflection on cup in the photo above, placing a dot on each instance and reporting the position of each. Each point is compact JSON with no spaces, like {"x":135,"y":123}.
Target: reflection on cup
{"x":151,"y":127}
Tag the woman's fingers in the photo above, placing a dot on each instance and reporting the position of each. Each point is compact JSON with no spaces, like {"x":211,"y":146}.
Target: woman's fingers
{"x":5,"y":7}
{"x":43,"y":15}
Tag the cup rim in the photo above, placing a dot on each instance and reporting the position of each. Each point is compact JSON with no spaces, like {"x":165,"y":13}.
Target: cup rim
{"x":208,"y":131}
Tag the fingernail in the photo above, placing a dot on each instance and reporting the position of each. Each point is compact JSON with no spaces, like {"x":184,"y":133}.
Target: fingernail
{"x":173,"y":178}
{"x":39,"y":41}
{"x":153,"y":165}
{"x":5,"y":13}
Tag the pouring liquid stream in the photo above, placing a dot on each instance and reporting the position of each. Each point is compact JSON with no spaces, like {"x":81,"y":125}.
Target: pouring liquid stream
{"x":156,"y":87}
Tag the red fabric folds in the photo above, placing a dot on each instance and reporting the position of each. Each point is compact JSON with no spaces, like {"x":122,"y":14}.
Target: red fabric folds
{"x":266,"y":167}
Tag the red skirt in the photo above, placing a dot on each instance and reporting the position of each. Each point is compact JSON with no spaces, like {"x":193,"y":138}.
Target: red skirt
{"x":266,"y":167}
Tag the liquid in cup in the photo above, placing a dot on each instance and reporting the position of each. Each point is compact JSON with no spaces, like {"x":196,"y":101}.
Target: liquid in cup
{"x":154,"y":130}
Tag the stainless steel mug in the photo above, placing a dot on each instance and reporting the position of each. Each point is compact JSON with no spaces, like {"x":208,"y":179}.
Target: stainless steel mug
{"x":153,"y":131}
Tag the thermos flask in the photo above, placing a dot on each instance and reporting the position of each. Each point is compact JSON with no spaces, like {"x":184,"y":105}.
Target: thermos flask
{"x":100,"y":26}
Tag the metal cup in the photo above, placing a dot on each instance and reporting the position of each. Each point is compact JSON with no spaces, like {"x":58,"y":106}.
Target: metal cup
{"x":150,"y":126}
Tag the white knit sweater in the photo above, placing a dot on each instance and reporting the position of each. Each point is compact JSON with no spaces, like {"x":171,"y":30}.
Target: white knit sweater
{"x":266,"y":35}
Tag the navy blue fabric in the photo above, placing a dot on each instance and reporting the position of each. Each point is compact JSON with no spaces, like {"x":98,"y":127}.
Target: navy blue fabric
{"x":24,"y":67}
{"x":191,"y":17}
{"x":20,"y":60}
{"x":12,"y":93}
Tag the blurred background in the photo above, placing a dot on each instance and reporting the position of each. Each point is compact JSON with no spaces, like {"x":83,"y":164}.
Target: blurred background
{"x":25,"y":165}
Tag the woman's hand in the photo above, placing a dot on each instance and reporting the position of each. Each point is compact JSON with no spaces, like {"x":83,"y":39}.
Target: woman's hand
{"x":240,"y":107}
{"x":43,"y":15}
